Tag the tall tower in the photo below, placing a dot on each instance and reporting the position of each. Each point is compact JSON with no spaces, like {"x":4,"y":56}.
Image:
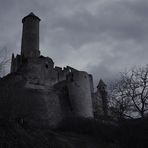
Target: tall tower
{"x":101,"y":88}
{"x":30,"y":36}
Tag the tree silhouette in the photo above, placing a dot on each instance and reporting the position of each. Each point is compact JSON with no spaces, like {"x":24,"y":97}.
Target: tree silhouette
{"x":130,"y":93}
{"x":3,"y":60}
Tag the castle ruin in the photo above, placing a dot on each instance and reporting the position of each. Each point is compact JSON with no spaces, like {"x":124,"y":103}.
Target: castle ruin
{"x":36,"y":91}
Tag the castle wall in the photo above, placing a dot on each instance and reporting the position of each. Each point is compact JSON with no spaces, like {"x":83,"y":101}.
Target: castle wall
{"x":72,"y":98}
{"x":39,"y":93}
{"x":39,"y":71}
{"x":34,"y":106}
{"x":80,"y":94}
{"x":91,"y":83}
{"x":15,"y":63}
{"x":62,"y":91}
{"x":62,"y":73}
{"x":97,"y":105}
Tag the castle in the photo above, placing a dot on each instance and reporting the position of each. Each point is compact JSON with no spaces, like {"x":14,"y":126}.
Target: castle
{"x":36,"y":91}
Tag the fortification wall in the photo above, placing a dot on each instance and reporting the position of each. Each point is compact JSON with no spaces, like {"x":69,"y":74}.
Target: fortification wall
{"x":28,"y":92}
{"x":97,"y":105}
{"x":15,"y":63}
{"x":80,"y":94}
{"x":62,"y":73}
{"x":91,"y":83}
{"x":71,"y":98}
{"x":38,"y":71}
{"x":38,"y":107}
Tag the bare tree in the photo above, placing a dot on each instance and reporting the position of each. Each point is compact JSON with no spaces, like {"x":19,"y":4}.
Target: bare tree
{"x":131,"y":92}
{"x":119,"y":103}
{"x":3,"y":60}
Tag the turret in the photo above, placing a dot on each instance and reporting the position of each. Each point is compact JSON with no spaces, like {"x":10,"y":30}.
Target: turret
{"x":101,"y":89}
{"x":30,"y":36}
{"x":79,"y":92}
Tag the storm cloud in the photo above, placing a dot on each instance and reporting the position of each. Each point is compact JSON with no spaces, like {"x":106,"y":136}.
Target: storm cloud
{"x":102,"y":37}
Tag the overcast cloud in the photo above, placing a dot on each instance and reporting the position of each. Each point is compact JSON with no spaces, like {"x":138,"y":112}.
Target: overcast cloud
{"x":102,"y":37}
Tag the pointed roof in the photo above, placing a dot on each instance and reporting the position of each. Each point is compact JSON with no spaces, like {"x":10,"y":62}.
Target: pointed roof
{"x":101,"y":84}
{"x":30,"y":15}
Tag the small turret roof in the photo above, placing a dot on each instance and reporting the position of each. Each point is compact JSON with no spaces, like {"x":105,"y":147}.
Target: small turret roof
{"x":101,"y":83}
{"x":30,"y":15}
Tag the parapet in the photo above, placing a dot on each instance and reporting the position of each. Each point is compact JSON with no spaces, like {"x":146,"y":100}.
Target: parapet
{"x":63,"y":72}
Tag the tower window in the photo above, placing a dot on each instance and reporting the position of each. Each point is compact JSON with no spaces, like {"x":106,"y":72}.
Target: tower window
{"x":46,"y":65}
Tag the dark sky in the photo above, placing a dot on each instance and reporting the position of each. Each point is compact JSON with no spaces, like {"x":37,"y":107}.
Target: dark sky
{"x":102,"y":37}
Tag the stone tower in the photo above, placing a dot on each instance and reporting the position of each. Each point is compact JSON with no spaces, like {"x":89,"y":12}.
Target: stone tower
{"x":80,"y":94}
{"x":101,"y":89}
{"x":30,"y":36}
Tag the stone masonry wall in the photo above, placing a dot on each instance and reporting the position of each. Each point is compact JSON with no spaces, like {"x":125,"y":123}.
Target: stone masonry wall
{"x":80,"y":94}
